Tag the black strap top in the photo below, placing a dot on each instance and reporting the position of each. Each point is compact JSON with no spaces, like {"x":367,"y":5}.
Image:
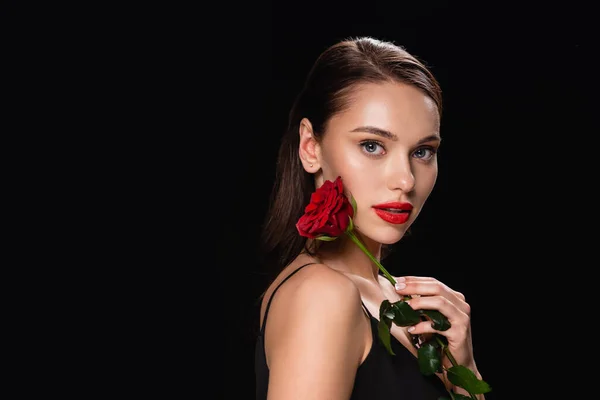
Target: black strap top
{"x":380,"y":376}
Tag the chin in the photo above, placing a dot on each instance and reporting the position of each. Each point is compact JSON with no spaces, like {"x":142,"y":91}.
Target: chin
{"x":388,"y":235}
{"x":392,"y":239}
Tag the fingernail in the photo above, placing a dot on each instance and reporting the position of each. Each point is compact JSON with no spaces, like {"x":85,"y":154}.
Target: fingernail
{"x":401,"y":279}
{"x":400,"y":286}
{"x":411,"y":328}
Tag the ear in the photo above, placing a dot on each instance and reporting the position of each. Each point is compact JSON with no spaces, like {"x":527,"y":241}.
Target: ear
{"x":309,"y":147}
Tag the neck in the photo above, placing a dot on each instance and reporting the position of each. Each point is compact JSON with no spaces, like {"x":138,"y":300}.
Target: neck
{"x":346,"y":256}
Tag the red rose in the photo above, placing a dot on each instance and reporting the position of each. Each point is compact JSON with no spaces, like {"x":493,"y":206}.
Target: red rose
{"x":328,"y":213}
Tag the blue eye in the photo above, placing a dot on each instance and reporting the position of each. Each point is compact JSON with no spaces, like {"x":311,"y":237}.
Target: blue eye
{"x":424,"y":153}
{"x":373,"y":148}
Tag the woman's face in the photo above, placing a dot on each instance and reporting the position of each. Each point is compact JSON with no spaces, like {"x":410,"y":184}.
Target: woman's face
{"x":384,"y":147}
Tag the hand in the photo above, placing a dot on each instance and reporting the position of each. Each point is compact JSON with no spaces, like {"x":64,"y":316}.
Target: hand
{"x":431,"y":294}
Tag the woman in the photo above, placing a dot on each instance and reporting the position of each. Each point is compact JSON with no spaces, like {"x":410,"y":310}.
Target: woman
{"x":369,"y":113}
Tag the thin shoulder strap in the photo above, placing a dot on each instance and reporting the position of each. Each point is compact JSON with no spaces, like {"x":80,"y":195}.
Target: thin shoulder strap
{"x":262,"y":328}
{"x":366,"y":309}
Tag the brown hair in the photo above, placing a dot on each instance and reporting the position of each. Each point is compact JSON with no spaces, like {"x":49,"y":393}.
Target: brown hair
{"x":326,"y":92}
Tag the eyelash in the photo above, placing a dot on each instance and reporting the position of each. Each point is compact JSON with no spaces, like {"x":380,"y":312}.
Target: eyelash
{"x":433,"y":150}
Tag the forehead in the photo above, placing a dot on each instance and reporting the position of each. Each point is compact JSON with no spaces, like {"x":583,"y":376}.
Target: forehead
{"x":392,"y":106}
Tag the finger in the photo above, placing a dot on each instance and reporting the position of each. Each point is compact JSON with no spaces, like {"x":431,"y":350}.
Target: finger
{"x":456,"y":335}
{"x":426,"y":327}
{"x":422,"y":287}
{"x":421,"y":328}
{"x":431,"y":288}
{"x":450,"y":310}
{"x":413,"y":278}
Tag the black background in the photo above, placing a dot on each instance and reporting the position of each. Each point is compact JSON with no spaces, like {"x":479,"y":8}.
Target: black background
{"x":173,"y":115}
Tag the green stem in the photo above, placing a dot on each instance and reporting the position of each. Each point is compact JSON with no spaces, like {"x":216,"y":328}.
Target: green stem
{"x":390,"y":278}
{"x":364,"y":249}
{"x":452,"y":360}
{"x":448,"y":354}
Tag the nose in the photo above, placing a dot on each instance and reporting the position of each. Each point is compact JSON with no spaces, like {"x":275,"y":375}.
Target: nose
{"x":401,"y":176}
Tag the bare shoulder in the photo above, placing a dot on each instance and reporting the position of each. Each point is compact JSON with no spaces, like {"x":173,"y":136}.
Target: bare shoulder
{"x":313,"y":287}
{"x":316,"y":296}
{"x":316,"y":327}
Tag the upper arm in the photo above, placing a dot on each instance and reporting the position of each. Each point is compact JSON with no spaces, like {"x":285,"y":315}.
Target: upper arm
{"x":314,"y":341}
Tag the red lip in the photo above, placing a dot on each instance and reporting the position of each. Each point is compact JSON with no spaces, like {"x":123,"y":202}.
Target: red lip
{"x":395,"y":205}
{"x":394,"y":217}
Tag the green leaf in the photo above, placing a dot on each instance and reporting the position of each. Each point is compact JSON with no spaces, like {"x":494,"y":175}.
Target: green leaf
{"x":326,"y":238}
{"x":429,"y":358}
{"x":384,"y":335}
{"x":465,"y":378}
{"x":440,"y":322}
{"x":353,"y":202}
{"x":404,"y":314}
{"x":385,"y":312}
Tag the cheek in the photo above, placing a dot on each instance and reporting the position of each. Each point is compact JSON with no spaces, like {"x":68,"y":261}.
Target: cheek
{"x":426,"y":180}
{"x":344,"y":161}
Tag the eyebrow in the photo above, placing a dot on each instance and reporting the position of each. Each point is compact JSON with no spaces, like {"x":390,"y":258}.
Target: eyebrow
{"x":390,"y":135}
